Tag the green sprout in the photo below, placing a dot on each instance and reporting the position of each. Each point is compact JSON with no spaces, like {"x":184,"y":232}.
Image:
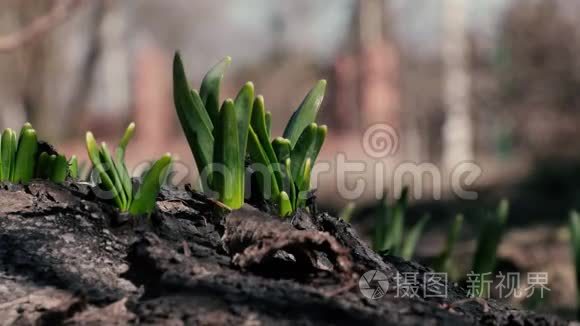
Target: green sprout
{"x":347,"y":211}
{"x":288,"y":160}
{"x":575,"y":244}
{"x":221,"y":136}
{"x":390,"y":232}
{"x":20,"y":160}
{"x":115,"y":178}
{"x":488,"y":242}
{"x":444,"y":262}
{"x":217,"y":136}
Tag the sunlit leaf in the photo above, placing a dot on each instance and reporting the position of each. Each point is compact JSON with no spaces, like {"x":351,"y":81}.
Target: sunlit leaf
{"x":24,"y":167}
{"x":144,"y":202}
{"x":210,"y":88}
{"x":306,"y":112}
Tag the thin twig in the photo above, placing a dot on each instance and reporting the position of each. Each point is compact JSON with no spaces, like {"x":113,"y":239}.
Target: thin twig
{"x":61,"y":10}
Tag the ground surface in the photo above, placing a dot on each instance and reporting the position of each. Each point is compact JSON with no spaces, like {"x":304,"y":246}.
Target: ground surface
{"x":68,"y":259}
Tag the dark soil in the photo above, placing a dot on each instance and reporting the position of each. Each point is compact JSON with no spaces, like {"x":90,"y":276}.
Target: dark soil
{"x":66,"y":258}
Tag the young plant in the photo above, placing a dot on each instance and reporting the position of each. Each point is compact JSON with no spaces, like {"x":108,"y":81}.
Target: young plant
{"x":217,"y":136}
{"x":283,"y":166}
{"x":444,"y":262}
{"x":575,"y":244}
{"x":488,"y":241}
{"x":220,"y":137}
{"x":115,"y":178}
{"x":390,"y":232}
{"x":20,"y":161}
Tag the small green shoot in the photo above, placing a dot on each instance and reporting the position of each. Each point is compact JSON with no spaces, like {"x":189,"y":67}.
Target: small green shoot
{"x":346,"y":213}
{"x":220,"y":138}
{"x":20,"y":160}
{"x":488,"y":242}
{"x":115,"y":178}
{"x":390,"y":234}
{"x":444,"y":262}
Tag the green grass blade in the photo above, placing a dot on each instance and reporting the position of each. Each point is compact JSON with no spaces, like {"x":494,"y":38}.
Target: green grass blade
{"x":144,"y":201}
{"x":306,"y":112}
{"x":303,"y":184}
{"x":259,"y":125}
{"x":119,"y":161}
{"x":210,"y":88}
{"x":129,"y":132}
{"x":59,"y":169}
{"x":258,"y":157}
{"x":228,"y":180}
{"x":269,"y":123}
{"x":444,"y":262}
{"x":289,"y":184}
{"x":193,"y":117}
{"x":26,"y":156}
{"x":285,"y":206}
{"x":302,"y":150}
{"x":347,"y":211}
{"x":243,"y":104}
{"x":575,"y":246}
{"x":412,"y":238}
{"x":73,"y":167}
{"x":488,"y":242}
{"x":94,"y":155}
{"x":8,"y":147}
{"x":113,"y":171}
{"x":380,"y":225}
{"x":282,"y":148}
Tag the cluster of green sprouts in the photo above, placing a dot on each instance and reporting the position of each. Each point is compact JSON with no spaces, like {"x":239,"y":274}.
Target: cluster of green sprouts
{"x":115,"y":178}
{"x":20,"y":160}
{"x":390,"y":234}
{"x":222,"y":138}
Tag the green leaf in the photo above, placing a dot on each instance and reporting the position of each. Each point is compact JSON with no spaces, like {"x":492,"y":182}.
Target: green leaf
{"x":269,"y":123}
{"x":302,"y":151}
{"x":94,"y":155}
{"x":243,"y":106}
{"x":303,"y":184}
{"x":306,"y":112}
{"x":412,"y":237}
{"x":9,"y":146}
{"x":285,"y":206}
{"x":24,"y":167}
{"x":259,"y":125}
{"x":228,"y":180}
{"x":73,"y":167}
{"x":289,"y":185}
{"x":144,"y":201}
{"x":127,"y":136}
{"x":210,"y":88}
{"x":260,"y":160}
{"x":282,"y":148}
{"x":443,"y":262}
{"x":59,"y":170}
{"x":347,"y":211}
{"x":398,"y":223}
{"x":119,"y":161}
{"x":193,"y":117}
{"x":488,"y":242}
{"x":113,"y":171}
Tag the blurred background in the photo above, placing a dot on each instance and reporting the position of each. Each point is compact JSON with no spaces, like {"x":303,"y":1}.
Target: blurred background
{"x":496,"y":82}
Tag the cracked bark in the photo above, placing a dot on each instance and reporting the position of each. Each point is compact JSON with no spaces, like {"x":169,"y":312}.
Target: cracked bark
{"x":66,"y":258}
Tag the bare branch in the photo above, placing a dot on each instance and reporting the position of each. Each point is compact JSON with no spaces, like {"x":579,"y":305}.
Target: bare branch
{"x":61,"y":10}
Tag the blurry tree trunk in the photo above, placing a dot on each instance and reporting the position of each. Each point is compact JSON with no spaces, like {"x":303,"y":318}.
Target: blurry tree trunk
{"x":457,"y":129}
